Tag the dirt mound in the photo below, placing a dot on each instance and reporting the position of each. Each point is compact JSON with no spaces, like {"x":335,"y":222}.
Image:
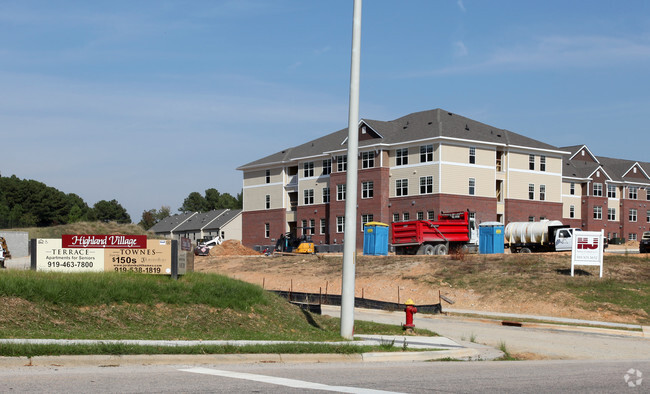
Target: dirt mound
{"x":232,"y":247}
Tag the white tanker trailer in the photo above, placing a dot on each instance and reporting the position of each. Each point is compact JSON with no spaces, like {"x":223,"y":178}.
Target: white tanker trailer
{"x":542,"y":236}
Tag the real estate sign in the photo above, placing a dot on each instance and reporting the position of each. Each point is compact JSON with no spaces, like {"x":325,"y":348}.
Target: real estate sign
{"x":587,"y":249}
{"x":92,"y":254}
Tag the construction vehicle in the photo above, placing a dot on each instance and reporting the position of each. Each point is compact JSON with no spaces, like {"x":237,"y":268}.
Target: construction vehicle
{"x":542,"y":236}
{"x":4,"y":252}
{"x":452,"y":231}
{"x":204,"y":245}
{"x":289,"y":243}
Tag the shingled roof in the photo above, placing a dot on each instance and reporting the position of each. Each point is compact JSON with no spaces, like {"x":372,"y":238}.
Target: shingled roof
{"x":615,"y":169}
{"x":417,"y":126}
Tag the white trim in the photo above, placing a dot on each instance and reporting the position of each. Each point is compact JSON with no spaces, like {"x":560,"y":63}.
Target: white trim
{"x":588,"y":151}
{"x":262,"y":185}
{"x":536,"y":172}
{"x":636,"y":164}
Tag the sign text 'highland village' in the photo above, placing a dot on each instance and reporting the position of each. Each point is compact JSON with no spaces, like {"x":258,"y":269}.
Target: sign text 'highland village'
{"x":104,"y":241}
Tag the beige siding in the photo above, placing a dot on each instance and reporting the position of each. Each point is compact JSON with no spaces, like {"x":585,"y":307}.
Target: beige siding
{"x":455,"y":180}
{"x":519,"y":181}
{"x":566,"y":207}
{"x":258,"y":177}
{"x":460,"y":154}
{"x":566,"y":189}
{"x":233,"y":230}
{"x":255,"y":198}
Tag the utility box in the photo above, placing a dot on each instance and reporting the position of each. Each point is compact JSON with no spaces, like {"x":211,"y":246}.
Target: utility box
{"x":375,"y":239}
{"x":491,"y":238}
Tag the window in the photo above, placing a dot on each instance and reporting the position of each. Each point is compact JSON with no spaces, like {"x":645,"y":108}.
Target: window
{"x":326,"y":195}
{"x":305,"y":230}
{"x":542,"y":163}
{"x":632,"y":215}
{"x":267,"y":230}
{"x":633,"y":192}
{"x":426,"y":153}
{"x":647,"y":216}
{"x":323,"y":226}
{"x":611,"y":214}
{"x":598,"y":189}
{"x":598,"y":212}
{"x":542,"y":192}
{"x":611,"y":191}
{"x":401,"y":187}
{"x":572,"y":188}
{"x":268,"y":176}
{"x":426,"y":185}
{"x":401,"y":157}
{"x":472,"y":155}
{"x":406,"y":216}
{"x":531,"y":162}
{"x":340,"y":192}
{"x":472,"y":186}
{"x":309,"y":196}
{"x":268,"y":201}
{"x":341,"y":163}
{"x":531,"y":191}
{"x":396,"y":217}
{"x":431,"y":215}
{"x":327,"y":166}
{"x":365,"y":219}
{"x":368,"y":160}
{"x":367,"y":189}
{"x":340,"y":224}
{"x":312,"y":226}
{"x":308,"y":169}
{"x":572,"y":211}
{"x":632,"y":237}
{"x":419,"y":215}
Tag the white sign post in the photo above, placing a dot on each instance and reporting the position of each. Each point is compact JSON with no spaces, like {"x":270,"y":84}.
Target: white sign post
{"x":587,"y":249}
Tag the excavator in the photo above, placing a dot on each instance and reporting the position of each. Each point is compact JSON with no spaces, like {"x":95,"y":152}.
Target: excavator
{"x":289,"y":243}
{"x":4,"y":252}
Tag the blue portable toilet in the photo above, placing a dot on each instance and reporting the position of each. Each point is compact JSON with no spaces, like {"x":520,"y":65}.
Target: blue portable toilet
{"x":490,"y":238}
{"x":375,"y":239}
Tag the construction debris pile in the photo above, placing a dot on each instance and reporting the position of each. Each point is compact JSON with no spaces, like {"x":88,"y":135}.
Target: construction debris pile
{"x":232,"y":247}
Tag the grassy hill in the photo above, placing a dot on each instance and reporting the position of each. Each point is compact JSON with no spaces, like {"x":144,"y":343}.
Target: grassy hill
{"x":86,"y":228}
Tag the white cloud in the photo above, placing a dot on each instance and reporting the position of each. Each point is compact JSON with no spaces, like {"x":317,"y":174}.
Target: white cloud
{"x":461,"y":5}
{"x":460,"y":49}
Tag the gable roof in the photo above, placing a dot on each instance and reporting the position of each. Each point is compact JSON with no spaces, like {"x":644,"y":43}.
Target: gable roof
{"x":170,"y":223}
{"x":418,"y":126}
{"x":616,"y":169}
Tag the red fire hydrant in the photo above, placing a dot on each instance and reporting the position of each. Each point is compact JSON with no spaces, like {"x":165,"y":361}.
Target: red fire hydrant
{"x":410,"y":311}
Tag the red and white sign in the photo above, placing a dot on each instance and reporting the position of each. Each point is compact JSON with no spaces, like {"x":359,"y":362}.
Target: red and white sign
{"x":104,"y":241}
{"x":588,"y":248}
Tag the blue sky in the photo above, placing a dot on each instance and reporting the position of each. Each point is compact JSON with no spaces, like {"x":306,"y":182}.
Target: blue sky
{"x":147,"y":101}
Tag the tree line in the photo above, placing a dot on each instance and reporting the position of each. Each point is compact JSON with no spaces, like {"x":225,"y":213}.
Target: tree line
{"x":29,"y":203}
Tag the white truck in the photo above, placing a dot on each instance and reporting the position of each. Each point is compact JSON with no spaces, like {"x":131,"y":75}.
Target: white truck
{"x":542,"y":236}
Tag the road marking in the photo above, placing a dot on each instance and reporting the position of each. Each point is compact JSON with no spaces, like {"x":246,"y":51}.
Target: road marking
{"x":299,"y":384}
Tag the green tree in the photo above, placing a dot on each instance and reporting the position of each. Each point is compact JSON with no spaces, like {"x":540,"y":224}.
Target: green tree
{"x":107,"y":211}
{"x":152,"y":216}
{"x":194,"y":202}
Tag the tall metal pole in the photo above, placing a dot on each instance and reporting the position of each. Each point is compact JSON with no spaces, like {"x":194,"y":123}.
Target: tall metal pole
{"x":350,"y":236}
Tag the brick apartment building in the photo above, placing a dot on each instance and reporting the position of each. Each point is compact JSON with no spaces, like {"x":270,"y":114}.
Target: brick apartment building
{"x":435,"y":161}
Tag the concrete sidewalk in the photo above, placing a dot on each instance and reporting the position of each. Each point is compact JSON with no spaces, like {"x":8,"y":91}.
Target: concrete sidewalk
{"x":440,"y":348}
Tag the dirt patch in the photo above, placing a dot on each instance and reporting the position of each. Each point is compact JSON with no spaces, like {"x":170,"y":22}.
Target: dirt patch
{"x":491,"y":284}
{"x":232,"y":247}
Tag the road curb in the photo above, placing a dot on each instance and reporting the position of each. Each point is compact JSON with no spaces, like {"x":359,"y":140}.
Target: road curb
{"x":209,"y":359}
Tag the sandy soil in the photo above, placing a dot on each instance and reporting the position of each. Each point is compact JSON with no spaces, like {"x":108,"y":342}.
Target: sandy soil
{"x":385,"y":279}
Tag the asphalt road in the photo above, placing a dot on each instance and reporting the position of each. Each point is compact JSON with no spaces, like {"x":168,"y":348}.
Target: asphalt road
{"x":543,"y":342}
{"x":412,"y":377}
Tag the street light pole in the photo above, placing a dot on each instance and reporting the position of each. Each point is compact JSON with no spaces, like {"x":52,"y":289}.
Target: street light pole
{"x":350,"y":235}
